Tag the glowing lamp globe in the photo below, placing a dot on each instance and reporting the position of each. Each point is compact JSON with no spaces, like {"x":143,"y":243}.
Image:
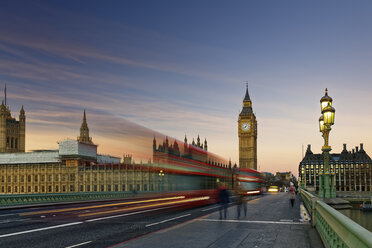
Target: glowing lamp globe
{"x":329,"y":115}
{"x":325,"y":100}
{"x":321,"y":124}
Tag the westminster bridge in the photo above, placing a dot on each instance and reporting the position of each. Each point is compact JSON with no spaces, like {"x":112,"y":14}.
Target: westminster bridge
{"x":139,"y":220}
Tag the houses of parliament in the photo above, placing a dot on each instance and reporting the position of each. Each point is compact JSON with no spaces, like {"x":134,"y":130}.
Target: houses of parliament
{"x":77,"y":167}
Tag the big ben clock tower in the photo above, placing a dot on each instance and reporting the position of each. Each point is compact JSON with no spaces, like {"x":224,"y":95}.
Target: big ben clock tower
{"x":247,"y":132}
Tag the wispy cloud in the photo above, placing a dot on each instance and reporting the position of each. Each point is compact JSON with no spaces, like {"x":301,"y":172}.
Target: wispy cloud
{"x":59,"y":61}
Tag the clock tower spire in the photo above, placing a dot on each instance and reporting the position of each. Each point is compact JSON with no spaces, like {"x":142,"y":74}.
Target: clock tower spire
{"x":247,"y":132}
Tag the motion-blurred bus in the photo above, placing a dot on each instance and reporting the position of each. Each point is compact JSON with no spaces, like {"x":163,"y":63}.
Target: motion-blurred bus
{"x":249,"y":180}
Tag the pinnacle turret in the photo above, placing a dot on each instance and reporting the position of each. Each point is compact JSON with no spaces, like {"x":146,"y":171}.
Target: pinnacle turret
{"x":247,"y":98}
{"x":154,"y":144}
{"x":84,"y":131}
{"x":247,"y":105}
{"x":22,"y":111}
{"x":3,"y":107}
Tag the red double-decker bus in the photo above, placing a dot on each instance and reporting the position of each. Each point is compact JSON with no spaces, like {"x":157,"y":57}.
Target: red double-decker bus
{"x":249,"y":180}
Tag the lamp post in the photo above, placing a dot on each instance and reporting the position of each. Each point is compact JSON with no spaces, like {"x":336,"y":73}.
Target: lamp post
{"x":161,"y":178}
{"x":326,"y":189}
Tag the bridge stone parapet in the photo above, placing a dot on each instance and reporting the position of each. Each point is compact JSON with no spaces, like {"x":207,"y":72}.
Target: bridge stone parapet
{"x":334,"y":228}
{"x":11,"y":201}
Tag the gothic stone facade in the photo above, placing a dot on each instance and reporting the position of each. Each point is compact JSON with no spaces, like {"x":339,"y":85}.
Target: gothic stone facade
{"x":353,"y":169}
{"x":74,"y":167}
{"x":12,"y":132}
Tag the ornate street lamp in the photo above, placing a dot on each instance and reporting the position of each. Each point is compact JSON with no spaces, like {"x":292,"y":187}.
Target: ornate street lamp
{"x":320,"y":174}
{"x":325,"y":122}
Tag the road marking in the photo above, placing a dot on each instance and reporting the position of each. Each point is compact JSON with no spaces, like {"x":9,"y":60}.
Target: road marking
{"x":230,"y":204}
{"x":210,"y":208}
{"x":84,"y":243}
{"x":163,"y":221}
{"x":254,"y":200}
{"x":256,"y":221}
{"x":7,"y":214}
{"x":80,"y":222}
{"x":287,"y":220}
{"x":7,"y":221}
{"x":40,"y":229}
{"x":121,"y":215}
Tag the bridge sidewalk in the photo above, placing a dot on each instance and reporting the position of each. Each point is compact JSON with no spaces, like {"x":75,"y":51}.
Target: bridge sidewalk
{"x":271,"y":222}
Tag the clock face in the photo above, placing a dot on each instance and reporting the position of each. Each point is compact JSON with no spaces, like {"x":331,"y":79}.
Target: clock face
{"x":245,"y":126}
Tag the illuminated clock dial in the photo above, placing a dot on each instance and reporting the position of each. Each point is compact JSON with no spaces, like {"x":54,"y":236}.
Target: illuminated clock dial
{"x":245,"y":126}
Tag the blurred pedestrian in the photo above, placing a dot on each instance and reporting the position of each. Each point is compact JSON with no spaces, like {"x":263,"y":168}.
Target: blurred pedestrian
{"x":224,"y":199}
{"x":242,"y":201}
{"x":292,"y":192}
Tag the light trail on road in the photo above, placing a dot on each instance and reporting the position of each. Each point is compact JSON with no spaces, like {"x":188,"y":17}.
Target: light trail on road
{"x":146,"y":206}
{"x":100,"y":206}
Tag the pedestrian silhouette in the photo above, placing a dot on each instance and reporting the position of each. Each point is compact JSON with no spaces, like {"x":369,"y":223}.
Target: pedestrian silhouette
{"x":242,"y":201}
{"x":292,"y":192}
{"x":224,"y":199}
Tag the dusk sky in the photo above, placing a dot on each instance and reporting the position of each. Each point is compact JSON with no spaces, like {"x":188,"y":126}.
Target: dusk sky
{"x":178,"y":67}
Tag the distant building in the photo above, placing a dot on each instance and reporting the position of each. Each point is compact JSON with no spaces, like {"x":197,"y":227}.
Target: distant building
{"x":353,"y":169}
{"x":191,"y":160}
{"x":285,"y":176}
{"x":267,"y":174}
{"x":166,"y":152}
{"x":198,"y":144}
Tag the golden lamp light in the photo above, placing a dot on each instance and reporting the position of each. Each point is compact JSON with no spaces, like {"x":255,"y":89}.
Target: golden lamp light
{"x":321,"y":124}
{"x":325,"y":100}
{"x":328,"y":115}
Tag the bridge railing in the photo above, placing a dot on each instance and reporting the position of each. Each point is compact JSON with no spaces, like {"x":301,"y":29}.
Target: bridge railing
{"x":334,"y":228}
{"x":31,"y":199}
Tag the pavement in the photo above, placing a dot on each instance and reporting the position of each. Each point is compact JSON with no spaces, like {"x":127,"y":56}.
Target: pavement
{"x":270,"y":222}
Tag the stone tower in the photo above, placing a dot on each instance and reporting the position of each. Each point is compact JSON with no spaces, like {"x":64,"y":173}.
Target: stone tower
{"x":84,"y":131}
{"x":22,"y":130}
{"x":247,"y":132}
{"x":12,"y":132}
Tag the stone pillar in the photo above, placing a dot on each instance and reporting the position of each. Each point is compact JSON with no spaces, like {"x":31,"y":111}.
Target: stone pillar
{"x":22,"y":131}
{"x":2,"y":131}
{"x":333,"y":190}
{"x":327,"y":192}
